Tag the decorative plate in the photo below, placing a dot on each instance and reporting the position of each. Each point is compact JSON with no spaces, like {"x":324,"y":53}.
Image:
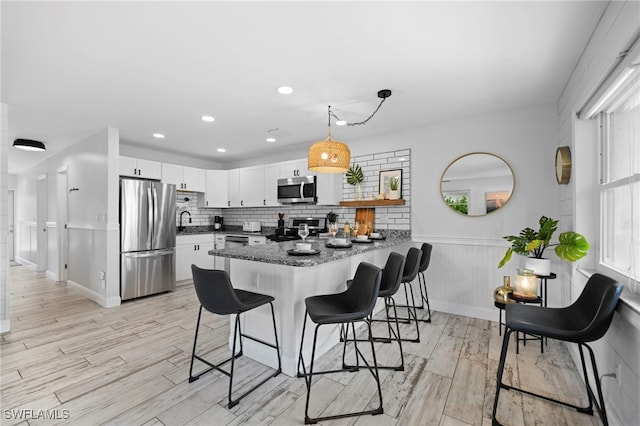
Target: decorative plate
{"x":294,"y":252}
{"x":367,"y":241}
{"x":338,"y":246}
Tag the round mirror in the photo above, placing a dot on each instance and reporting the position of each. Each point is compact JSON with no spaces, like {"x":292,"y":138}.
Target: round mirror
{"x":476,"y":184}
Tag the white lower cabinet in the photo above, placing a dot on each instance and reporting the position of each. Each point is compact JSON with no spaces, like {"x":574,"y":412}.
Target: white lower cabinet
{"x":192,"y":249}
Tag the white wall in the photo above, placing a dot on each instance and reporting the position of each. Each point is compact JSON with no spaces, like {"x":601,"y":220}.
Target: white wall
{"x":463,"y":271}
{"x":617,"y":30}
{"x":5,"y":324}
{"x":92,"y":170}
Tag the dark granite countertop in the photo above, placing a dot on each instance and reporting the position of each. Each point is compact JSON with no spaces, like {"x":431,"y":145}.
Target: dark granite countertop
{"x":276,"y":253}
{"x":231,"y":230}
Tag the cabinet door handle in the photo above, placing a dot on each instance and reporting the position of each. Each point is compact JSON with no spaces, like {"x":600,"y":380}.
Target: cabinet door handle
{"x":228,"y":203}
{"x":242,"y":202}
{"x":264,"y":202}
{"x":207,"y":204}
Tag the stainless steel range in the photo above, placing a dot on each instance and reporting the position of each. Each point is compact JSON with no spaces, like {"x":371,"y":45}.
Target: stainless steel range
{"x":290,"y":233}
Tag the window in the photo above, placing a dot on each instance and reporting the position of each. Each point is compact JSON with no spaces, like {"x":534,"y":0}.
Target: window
{"x":620,"y":180}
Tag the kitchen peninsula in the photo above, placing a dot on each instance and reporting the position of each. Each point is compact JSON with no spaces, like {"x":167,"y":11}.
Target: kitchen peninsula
{"x":270,"y":269}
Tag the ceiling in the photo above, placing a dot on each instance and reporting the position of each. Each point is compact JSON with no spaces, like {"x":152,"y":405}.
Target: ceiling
{"x":70,"y":69}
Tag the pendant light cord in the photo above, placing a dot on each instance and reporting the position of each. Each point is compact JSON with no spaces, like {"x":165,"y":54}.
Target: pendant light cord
{"x":331,"y":114}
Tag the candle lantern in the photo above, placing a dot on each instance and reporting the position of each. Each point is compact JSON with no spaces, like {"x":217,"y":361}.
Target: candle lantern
{"x":525,"y":284}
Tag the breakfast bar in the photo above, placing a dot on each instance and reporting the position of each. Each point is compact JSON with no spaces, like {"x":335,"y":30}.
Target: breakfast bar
{"x":271,"y":269}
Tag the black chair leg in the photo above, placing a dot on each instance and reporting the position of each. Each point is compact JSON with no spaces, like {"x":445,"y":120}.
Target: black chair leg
{"x":237,"y":332}
{"x":193,"y":353}
{"x":398,"y":337}
{"x":373,"y":369}
{"x":586,"y":410}
{"x":499,"y":385}
{"x":422,"y":282}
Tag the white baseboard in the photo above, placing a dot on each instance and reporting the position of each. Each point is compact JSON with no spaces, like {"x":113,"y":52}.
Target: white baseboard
{"x":5,"y":326}
{"x":25,"y":262}
{"x":52,"y":275}
{"x":490,"y":314}
{"x":93,"y":295}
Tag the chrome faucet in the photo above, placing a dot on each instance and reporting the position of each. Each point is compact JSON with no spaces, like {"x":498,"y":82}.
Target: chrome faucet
{"x":180,"y":227}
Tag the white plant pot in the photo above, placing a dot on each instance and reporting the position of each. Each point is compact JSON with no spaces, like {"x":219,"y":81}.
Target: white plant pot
{"x":538,"y":266}
{"x":394,"y":195}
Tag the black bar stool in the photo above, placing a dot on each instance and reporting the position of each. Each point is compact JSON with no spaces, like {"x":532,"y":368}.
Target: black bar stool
{"x":411,"y":268}
{"x":422,"y":282}
{"x":353,"y":305}
{"x":586,"y":320}
{"x":391,"y":280}
{"x":217,"y":295}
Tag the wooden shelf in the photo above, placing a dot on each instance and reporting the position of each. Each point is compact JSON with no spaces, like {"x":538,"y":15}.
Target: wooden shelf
{"x":372,"y":203}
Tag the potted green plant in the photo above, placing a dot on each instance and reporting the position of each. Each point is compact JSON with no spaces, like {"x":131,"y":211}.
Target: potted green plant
{"x":570,"y":247}
{"x":355,"y":178}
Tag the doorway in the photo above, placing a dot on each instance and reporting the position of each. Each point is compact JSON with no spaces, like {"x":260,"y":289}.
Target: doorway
{"x":61,"y":224}
{"x":11,"y":224}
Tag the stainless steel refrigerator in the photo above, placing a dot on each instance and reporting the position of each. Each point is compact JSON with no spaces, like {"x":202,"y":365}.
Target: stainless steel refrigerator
{"x":147,"y":238}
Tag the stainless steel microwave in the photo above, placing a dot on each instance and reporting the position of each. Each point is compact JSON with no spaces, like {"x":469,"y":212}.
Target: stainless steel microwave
{"x":299,"y":189}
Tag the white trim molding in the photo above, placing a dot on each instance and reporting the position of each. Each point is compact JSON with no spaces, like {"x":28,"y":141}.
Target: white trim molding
{"x":5,"y":326}
{"x":106,"y":302}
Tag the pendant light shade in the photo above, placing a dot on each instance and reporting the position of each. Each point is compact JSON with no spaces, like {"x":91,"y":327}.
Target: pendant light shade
{"x":329,"y":156}
{"x":29,"y":145}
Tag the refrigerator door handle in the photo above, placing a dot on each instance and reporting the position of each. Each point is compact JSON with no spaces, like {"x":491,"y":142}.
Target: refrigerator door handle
{"x":154,"y":194}
{"x":151,"y":218}
{"x":154,"y":253}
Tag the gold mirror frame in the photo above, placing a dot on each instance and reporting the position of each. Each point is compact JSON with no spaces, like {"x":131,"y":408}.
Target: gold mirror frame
{"x":467,"y":204}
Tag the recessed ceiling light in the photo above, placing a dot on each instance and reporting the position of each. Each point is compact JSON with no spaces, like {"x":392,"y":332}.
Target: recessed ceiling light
{"x":221,"y":150}
{"x":341,"y":123}
{"x":158,"y":135}
{"x":208,"y":118}
{"x":271,"y":140}
{"x":285,"y":90}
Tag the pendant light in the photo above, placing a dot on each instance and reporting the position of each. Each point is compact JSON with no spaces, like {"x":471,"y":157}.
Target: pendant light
{"x":332,"y":156}
{"x":29,"y":145}
{"x":329,"y":155}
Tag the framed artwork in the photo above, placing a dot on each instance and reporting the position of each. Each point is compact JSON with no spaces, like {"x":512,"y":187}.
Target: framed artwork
{"x":391,"y":184}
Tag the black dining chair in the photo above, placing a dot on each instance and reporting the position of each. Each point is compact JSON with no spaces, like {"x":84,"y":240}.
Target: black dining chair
{"x":422,"y":282}
{"x":217,"y":295}
{"x":351,"y":306}
{"x":391,"y":280}
{"x":586,"y":320}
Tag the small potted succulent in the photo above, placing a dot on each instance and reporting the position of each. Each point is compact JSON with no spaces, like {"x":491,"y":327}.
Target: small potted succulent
{"x":570,"y":247}
{"x":355,"y":178}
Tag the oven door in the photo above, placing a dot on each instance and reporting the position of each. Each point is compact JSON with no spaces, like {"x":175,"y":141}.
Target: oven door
{"x":297,"y":190}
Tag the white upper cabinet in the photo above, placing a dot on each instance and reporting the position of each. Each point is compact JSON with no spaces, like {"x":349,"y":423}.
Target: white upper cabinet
{"x":137,"y":167}
{"x":184,"y":178}
{"x":233,"y":195}
{"x":252,"y":186}
{"x":216,"y":190}
{"x":271,"y":176}
{"x":295,"y":168}
{"x":329,"y":188}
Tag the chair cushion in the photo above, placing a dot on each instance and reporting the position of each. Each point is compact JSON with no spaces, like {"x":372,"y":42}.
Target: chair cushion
{"x":250,"y":300}
{"x":332,"y":309}
{"x":555,"y":323}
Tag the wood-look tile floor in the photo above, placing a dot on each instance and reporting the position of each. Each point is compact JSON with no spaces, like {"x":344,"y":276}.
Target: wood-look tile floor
{"x":129,"y":366}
